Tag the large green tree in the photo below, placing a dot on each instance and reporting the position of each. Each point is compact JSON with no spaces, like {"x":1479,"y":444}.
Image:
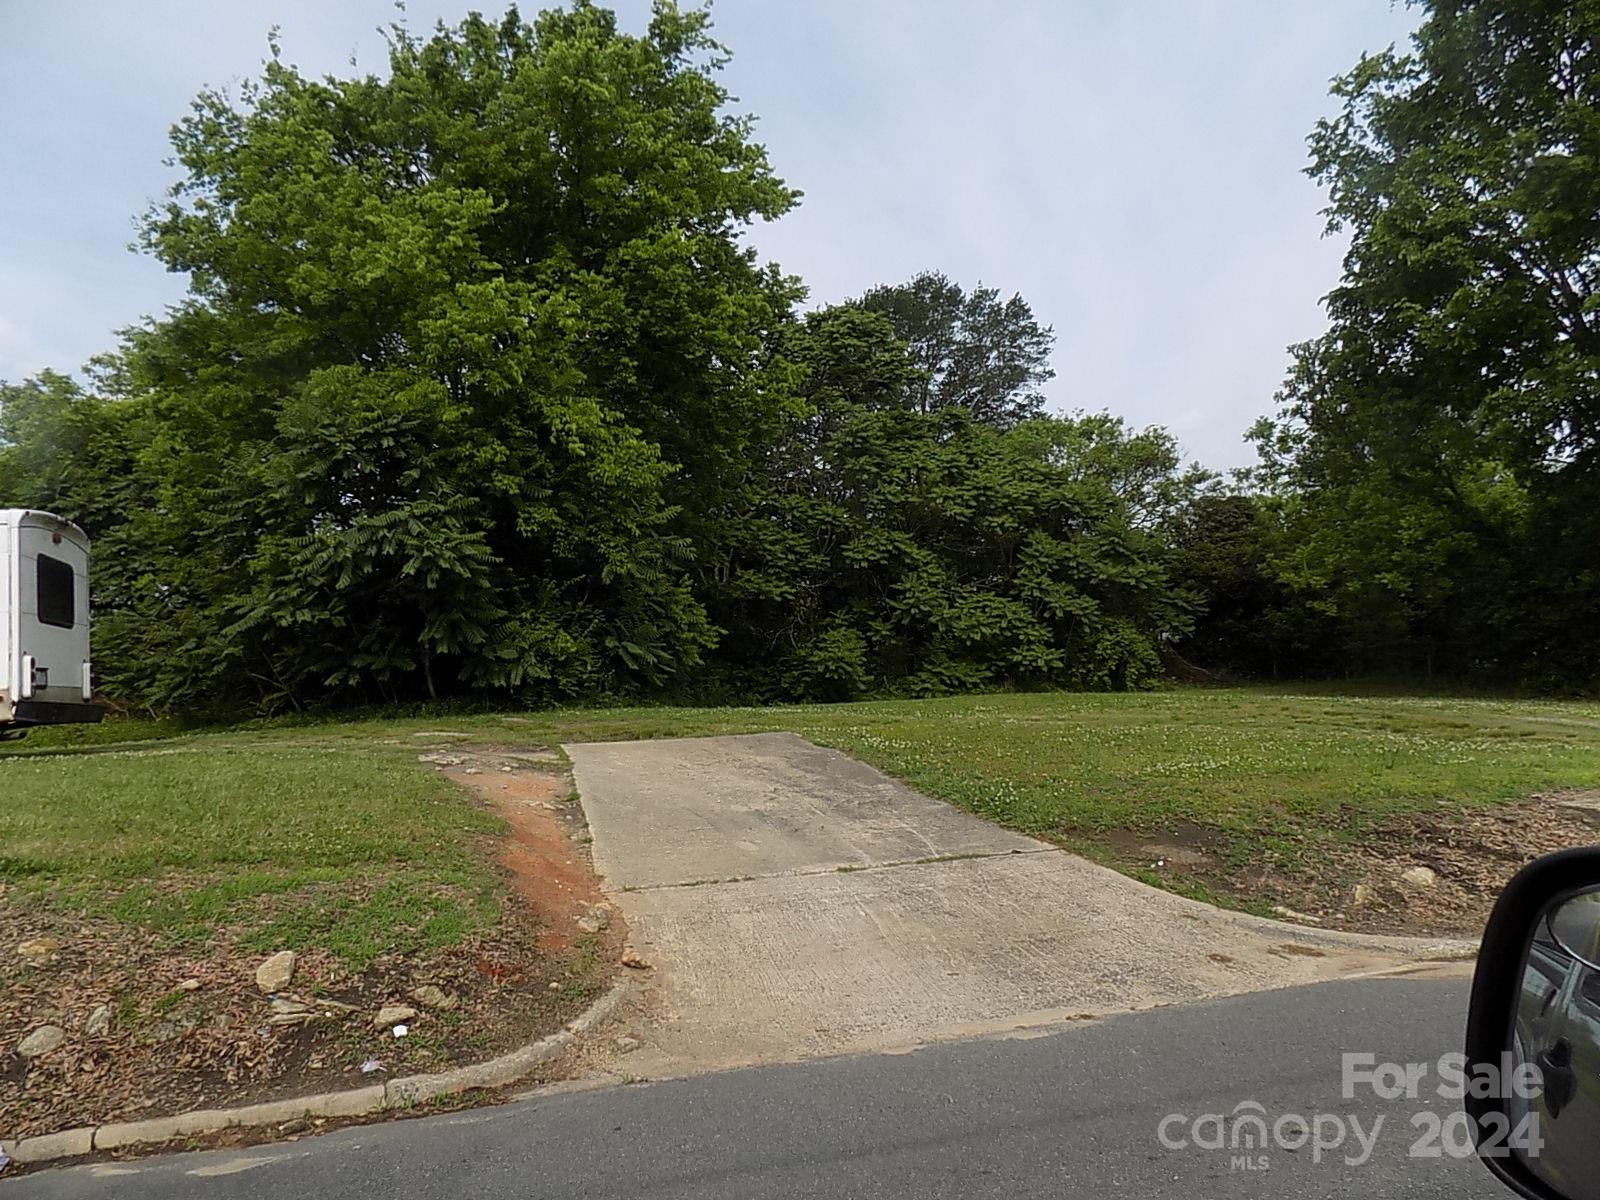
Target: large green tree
{"x":897,"y":550}
{"x":976,"y":351}
{"x":473,"y":358}
{"x":1443,"y":439}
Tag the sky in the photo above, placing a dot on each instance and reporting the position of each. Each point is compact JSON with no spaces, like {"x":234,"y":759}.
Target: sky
{"x":1134,"y":168}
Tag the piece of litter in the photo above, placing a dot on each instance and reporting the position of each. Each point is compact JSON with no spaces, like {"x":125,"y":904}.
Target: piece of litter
{"x":5,"y":1161}
{"x":401,"y":1030}
{"x":371,"y":1065}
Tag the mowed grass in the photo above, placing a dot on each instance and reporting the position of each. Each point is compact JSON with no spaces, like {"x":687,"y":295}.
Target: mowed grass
{"x":253,"y":822}
{"x":353,"y":849}
{"x":1274,"y":775}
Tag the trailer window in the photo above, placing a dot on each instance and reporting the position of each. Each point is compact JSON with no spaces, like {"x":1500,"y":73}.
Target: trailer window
{"x":56,"y":603}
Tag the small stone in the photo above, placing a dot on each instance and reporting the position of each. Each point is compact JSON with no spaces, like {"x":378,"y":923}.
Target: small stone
{"x":627,"y":1044}
{"x":1364,"y":896}
{"x":297,"y":1125}
{"x":555,"y":985}
{"x":41,"y":1041}
{"x":275,"y":973}
{"x":632,"y":960}
{"x":440,"y":759}
{"x":507,"y":770}
{"x":430,"y":996}
{"x":1419,"y":878}
{"x":1289,"y":914}
{"x":473,"y":771}
{"x":189,"y":985}
{"x":37,"y":951}
{"x":283,"y":1007}
{"x":99,"y":1022}
{"x":595,"y":919}
{"x":283,"y":1019}
{"x":393,"y":1014}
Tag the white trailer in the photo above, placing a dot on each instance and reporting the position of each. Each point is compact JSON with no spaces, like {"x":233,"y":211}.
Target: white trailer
{"x":44,"y":622}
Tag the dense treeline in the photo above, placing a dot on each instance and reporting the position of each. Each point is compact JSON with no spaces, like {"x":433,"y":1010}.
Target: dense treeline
{"x":479,"y":391}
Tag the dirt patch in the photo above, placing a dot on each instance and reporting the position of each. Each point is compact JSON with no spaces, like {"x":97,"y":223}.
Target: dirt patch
{"x":547,"y":854}
{"x":152,"y":1031}
{"x":1466,"y":855}
{"x":1181,"y":846}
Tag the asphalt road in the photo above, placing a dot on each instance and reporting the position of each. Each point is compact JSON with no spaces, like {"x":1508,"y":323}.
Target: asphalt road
{"x":1073,"y":1112}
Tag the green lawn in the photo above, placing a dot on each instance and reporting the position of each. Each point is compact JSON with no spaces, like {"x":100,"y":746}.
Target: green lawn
{"x":1271,"y":776}
{"x":351,"y":849}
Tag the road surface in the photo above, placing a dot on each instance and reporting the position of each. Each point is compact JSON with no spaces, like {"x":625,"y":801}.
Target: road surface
{"x":1074,"y":1112}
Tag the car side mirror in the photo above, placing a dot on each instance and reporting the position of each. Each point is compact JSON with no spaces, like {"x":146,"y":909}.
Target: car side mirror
{"x":1533,"y":1031}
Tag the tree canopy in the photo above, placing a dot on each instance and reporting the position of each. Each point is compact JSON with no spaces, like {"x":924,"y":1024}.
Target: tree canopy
{"x":975,"y":351}
{"x":479,"y":390}
{"x":1441,"y":443}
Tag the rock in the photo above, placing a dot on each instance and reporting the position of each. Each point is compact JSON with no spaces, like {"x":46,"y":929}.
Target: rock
{"x":39,"y":950}
{"x":291,"y":1018}
{"x":432,"y":997}
{"x":441,"y":759}
{"x":297,"y":1125}
{"x":555,"y":985}
{"x":394,"y":1014}
{"x":627,"y":1044}
{"x":1419,"y":879}
{"x":99,"y":1022}
{"x":189,"y":985}
{"x":282,"y":1007}
{"x":274,"y":974}
{"x":632,"y":959}
{"x":1364,"y":896}
{"x":166,"y":1031}
{"x":1289,"y":914}
{"x":596,"y":919}
{"x":41,"y":1041}
{"x":335,"y":1005}
{"x":474,"y":771}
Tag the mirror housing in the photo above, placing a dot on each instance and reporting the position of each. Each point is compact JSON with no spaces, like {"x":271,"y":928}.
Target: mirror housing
{"x":1520,"y":940}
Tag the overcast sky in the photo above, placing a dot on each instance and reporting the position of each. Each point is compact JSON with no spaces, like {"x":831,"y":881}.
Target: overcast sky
{"x":1132,"y":167}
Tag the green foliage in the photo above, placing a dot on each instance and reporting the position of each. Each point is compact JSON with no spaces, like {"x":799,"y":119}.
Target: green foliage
{"x":974,"y":351}
{"x":473,"y":353}
{"x":1441,"y":444}
{"x":926,"y":552}
{"x":479,"y":391}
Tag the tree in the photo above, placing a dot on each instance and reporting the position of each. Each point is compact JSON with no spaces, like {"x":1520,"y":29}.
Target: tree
{"x":1444,"y":436}
{"x":975,"y":351}
{"x":895,"y":550}
{"x":473,"y":359}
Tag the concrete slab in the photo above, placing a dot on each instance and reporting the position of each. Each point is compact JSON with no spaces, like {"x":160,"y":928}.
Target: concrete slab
{"x":693,"y":810}
{"x":820,"y":926}
{"x":791,"y":967}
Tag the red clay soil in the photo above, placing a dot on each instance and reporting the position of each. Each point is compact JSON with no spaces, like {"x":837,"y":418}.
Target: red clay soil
{"x":547,"y":851}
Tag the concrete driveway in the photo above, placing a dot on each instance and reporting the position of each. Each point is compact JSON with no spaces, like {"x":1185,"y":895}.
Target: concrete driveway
{"x":795,"y":902}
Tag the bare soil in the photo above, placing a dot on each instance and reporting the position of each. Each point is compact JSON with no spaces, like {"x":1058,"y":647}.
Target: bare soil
{"x":209,"y":1042}
{"x":1356,"y":885}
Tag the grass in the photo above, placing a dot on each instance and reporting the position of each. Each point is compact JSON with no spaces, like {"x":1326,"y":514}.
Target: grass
{"x":351,"y":849}
{"x":1266,"y":771}
{"x":328,"y":833}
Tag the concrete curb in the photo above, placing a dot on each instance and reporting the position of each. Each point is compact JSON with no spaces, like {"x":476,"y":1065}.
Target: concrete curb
{"x":399,"y":1093}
